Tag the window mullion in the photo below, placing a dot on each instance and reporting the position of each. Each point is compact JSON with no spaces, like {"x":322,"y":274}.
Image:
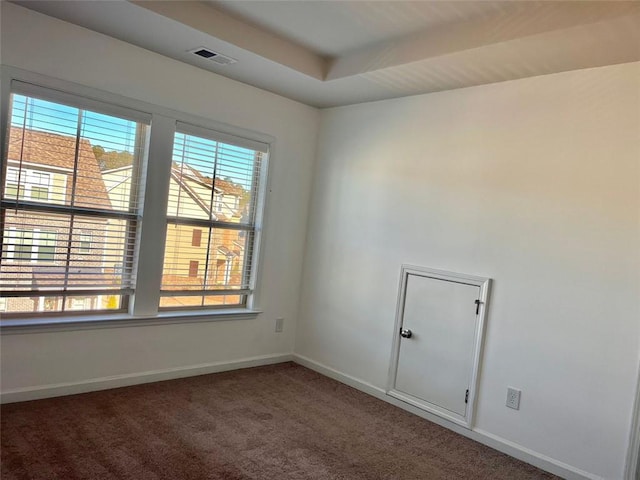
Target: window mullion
{"x":153,"y":227}
{"x":72,"y":203}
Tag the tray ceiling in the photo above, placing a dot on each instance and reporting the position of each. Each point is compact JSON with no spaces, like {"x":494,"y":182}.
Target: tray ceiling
{"x":337,"y":53}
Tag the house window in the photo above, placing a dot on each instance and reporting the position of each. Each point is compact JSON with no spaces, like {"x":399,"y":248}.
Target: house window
{"x":46,"y":247}
{"x":38,"y":185}
{"x":208,"y":167}
{"x":27,"y":183}
{"x":85,"y":243}
{"x":62,"y":231}
{"x":196,"y":237}
{"x":23,"y":246}
{"x":193,"y":268}
{"x":30,"y":245}
{"x":12,"y":184}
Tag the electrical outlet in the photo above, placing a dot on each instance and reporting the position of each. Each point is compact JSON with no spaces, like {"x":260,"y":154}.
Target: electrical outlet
{"x":513,"y":398}
{"x":279,"y":324}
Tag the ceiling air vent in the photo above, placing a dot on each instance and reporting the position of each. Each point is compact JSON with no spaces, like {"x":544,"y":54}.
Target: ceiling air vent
{"x":213,"y":56}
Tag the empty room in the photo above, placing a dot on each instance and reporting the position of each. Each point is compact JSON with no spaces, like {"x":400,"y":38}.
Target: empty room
{"x":325,"y":240}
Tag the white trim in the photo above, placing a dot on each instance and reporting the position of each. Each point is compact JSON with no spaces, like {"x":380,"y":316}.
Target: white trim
{"x":84,"y":102}
{"x":116,"y":381}
{"x":483,"y":285}
{"x":114,"y":170}
{"x":35,"y":245}
{"x":66,"y":323}
{"x":9,"y":73}
{"x":31,"y":83}
{"x":198,"y":131}
{"x":24,"y":181}
{"x":259,"y":237}
{"x":5,"y":107}
{"x":632,"y":464}
{"x":39,"y":166}
{"x":151,"y":232}
{"x":502,"y":445}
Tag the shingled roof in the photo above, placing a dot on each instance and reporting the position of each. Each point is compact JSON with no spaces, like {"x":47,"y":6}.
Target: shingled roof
{"x":226,"y":187}
{"x":58,"y":151}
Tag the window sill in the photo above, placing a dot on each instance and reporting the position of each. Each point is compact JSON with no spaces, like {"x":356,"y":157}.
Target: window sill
{"x":90,"y":322}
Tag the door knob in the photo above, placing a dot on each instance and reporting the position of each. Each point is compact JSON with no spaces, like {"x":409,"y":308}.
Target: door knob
{"x":405,"y":333}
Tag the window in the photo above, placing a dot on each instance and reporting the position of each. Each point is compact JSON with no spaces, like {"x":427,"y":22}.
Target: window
{"x":85,"y":243}
{"x":206,"y":169}
{"x":30,"y":245}
{"x":46,"y":246}
{"x":62,"y":232}
{"x":73,"y":186}
{"x":12,"y":183}
{"x":196,"y":237}
{"x":38,"y":185}
{"x":27,"y":184}
{"x":193,"y":268}
{"x":23,"y":246}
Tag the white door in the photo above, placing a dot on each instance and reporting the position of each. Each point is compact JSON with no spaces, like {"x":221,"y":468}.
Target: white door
{"x":438,"y":334}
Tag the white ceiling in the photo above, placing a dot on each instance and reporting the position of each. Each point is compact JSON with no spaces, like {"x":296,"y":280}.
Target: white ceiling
{"x":332,"y":28}
{"x":329,"y":53}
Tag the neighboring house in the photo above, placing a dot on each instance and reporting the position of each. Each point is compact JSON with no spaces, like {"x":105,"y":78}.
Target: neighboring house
{"x":38,"y":247}
{"x":191,"y":258}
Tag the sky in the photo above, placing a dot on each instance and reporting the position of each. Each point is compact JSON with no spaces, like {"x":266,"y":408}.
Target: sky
{"x":113,"y":133}
{"x":110,"y":132}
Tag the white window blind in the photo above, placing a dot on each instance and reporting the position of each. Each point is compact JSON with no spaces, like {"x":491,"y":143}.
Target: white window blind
{"x":69,"y":204}
{"x":214,"y":188}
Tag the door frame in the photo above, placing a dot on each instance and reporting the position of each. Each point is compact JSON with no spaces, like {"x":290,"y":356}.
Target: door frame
{"x":484,"y":285}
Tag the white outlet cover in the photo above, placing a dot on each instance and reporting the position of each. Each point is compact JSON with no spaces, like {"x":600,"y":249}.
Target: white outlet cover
{"x":513,"y":398}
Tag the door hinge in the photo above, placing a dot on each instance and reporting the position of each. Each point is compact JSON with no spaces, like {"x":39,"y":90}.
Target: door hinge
{"x":466,"y":396}
{"x":477,"y":302}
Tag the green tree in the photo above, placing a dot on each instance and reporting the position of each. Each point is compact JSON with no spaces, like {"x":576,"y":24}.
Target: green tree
{"x":112,"y":159}
{"x":98,"y":151}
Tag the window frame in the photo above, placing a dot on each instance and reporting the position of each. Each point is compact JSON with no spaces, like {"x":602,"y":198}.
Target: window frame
{"x":31,"y":185}
{"x":63,"y":211}
{"x":26,"y":193}
{"x":82,"y":249}
{"x":249,"y":229}
{"x":34,"y":251}
{"x":30,"y":168}
{"x":144,"y":307}
{"x":16,"y":183}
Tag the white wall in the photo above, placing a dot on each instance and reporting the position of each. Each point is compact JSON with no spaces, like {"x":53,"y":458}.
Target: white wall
{"x":534,"y":183}
{"x":48,"y":46}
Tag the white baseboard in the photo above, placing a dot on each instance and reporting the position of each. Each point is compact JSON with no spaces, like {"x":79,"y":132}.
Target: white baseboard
{"x":502,"y":445}
{"x":104,"y":383}
{"x":115,"y":381}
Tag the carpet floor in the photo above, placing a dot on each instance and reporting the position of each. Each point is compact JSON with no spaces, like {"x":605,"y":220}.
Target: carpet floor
{"x":277,"y":422}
